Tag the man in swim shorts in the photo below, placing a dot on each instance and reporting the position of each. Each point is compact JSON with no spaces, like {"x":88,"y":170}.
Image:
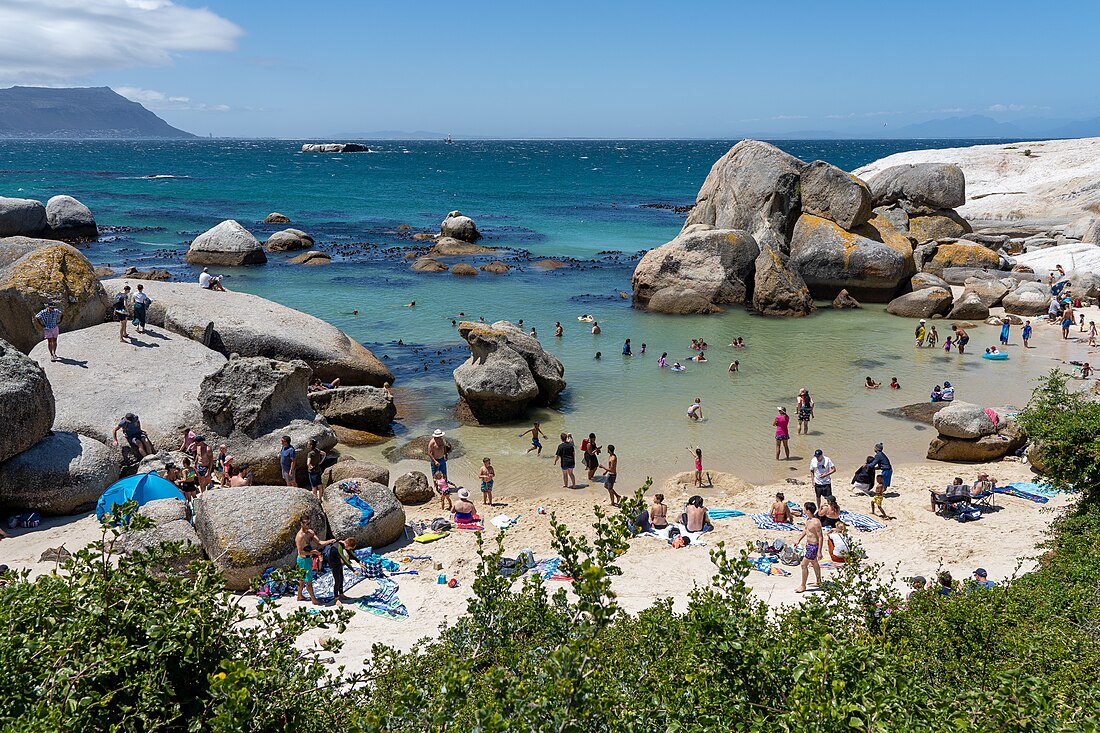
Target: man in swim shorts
{"x":437,"y":453}
{"x":535,"y":433}
{"x":306,"y":540}
{"x":812,"y":535}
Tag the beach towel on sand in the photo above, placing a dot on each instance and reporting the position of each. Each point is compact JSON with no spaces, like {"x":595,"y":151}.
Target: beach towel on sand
{"x":384,"y":601}
{"x":861,"y":522}
{"x":663,"y":534}
{"x":724,"y":513}
{"x":764,"y":521}
{"x":1021,"y":493}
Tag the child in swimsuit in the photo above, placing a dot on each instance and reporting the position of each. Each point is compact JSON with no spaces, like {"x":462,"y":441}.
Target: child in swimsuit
{"x":487,"y":474}
{"x":444,"y":490}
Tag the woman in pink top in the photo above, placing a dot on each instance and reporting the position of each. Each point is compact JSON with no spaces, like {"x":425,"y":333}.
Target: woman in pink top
{"x":782,"y":432}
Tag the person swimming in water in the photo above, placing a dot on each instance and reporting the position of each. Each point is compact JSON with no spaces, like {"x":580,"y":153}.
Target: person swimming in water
{"x":872,"y":384}
{"x":695,"y":410}
{"x":700,"y":357}
{"x":662,"y":361}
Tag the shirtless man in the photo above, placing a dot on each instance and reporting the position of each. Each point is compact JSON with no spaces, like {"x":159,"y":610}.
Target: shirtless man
{"x":307,"y":541}
{"x":812,"y":535}
{"x":595,"y":328}
{"x":611,"y":470}
{"x":695,"y":515}
{"x":558,"y":330}
{"x":535,"y":432}
{"x":437,"y":453}
{"x":204,"y":462}
{"x":961,"y":338}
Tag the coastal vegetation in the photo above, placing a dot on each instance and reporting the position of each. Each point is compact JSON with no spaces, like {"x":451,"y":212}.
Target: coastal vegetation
{"x":126,"y":643}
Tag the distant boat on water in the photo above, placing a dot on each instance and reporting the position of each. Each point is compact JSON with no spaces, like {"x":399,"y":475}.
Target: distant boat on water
{"x":449,"y":141}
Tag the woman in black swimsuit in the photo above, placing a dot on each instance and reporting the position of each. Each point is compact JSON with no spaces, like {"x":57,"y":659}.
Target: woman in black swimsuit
{"x":829,"y":513}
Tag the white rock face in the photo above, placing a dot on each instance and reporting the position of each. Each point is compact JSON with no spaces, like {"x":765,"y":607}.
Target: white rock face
{"x":1074,"y":258}
{"x":1055,"y":184}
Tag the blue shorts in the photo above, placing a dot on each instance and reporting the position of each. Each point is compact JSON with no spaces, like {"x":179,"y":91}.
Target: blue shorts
{"x":440,"y":465}
{"x":487,"y":486}
{"x":886,"y":474}
{"x":535,"y":442}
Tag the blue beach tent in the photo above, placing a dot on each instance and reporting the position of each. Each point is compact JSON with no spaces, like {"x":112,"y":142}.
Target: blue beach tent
{"x":142,"y":488}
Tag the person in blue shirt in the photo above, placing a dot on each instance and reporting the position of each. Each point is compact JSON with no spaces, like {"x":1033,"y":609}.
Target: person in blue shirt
{"x":981,"y":579}
{"x":1026,"y":335}
{"x":882,"y":463}
{"x":626,"y":348}
{"x":288,"y":460}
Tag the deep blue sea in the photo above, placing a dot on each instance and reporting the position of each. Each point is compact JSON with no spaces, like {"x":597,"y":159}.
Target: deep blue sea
{"x":585,"y":202}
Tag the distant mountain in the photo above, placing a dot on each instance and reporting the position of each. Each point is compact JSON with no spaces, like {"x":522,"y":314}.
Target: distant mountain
{"x":969,"y":128}
{"x":87,"y":112}
{"x":1079,"y":128}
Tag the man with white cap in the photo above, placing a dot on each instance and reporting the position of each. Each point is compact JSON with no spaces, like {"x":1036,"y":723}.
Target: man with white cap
{"x":209,"y":282}
{"x":920,"y":333}
{"x":437,"y":453}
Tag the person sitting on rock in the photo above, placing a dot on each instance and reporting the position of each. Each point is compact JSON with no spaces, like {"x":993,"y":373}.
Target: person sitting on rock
{"x":137,"y":438}
{"x":210,"y":282}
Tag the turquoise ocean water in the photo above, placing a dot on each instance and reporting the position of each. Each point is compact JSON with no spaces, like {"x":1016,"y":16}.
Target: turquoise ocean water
{"x":584,"y":202}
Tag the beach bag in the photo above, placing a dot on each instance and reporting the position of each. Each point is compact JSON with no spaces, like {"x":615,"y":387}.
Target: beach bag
{"x":969,"y":514}
{"x":584,"y":445}
{"x":27,"y":520}
{"x":789,"y":556}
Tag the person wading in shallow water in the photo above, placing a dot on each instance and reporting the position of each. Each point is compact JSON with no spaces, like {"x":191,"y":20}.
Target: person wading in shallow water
{"x":566,"y":455}
{"x":805,"y":411}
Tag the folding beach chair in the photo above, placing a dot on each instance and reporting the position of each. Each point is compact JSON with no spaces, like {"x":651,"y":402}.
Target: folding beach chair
{"x":986,"y":497}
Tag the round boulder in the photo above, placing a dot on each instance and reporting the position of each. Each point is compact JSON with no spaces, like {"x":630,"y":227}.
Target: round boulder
{"x":28,"y":402}
{"x":354,"y":468}
{"x":427,"y":264}
{"x":977,"y":450}
{"x":944,"y":224}
{"x":1026,"y":301}
{"x":226,"y":245}
{"x":990,"y":292}
{"x":963,"y":420}
{"x":248,"y":529}
{"x":61,"y":474}
{"x":962,"y":254}
{"x":288,"y":240}
{"x":69,"y":219}
{"x":464,"y":270}
{"x":386,"y":523}
{"x":833,"y":194}
{"x":458,"y":226}
{"x":22,"y":217}
{"x":924,"y":280}
{"x":714,"y":266}
{"x":921,"y":187}
{"x":413,"y":488}
{"x":313,"y":257}
{"x":969,"y":307}
{"x":33,"y":271}
{"x":678,"y":300}
{"x":496,"y":267}
{"x":923,"y":303}
{"x":362,"y":408}
{"x":276,"y":218}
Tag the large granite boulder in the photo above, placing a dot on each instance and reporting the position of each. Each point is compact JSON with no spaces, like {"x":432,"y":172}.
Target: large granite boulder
{"x":33,"y":271}
{"x":1085,"y":284}
{"x":495,"y":383}
{"x":413,"y":488}
{"x":920,"y":188}
{"x":871,"y":262}
{"x":354,"y":468}
{"x":226,"y":245}
{"x":716,"y":264}
{"x":21,"y":217}
{"x":276,"y":218}
{"x":990,"y":291}
{"x":754,"y":187}
{"x":249,"y":325}
{"x":363,"y":408}
{"x":1029,"y":299}
{"x":288,"y":240}
{"x":385,"y":526}
{"x":99,"y":380}
{"x":69,"y":219}
{"x":312,"y":258}
{"x":680,"y":301}
{"x":176,"y":530}
{"x":251,"y":402}
{"x":833,"y":194}
{"x":927,"y":280}
{"x":458,"y":226}
{"x":969,"y":307}
{"x":962,"y":254}
{"x":246,"y":530}
{"x":451,"y":247}
{"x":974,"y":450}
{"x":63,"y":473}
{"x":923,"y":303}
{"x":463,"y":269}
{"x":963,"y":420}
{"x":779,"y":290}
{"x":427,"y":264}
{"x":28,"y":402}
{"x":945,"y":224}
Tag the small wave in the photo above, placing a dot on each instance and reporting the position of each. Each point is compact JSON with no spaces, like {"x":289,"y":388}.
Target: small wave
{"x":154,"y":176}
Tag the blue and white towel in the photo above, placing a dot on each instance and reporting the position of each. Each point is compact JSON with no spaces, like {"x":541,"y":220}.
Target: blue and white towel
{"x":764,"y":521}
{"x":724,"y":513}
{"x":861,"y":522}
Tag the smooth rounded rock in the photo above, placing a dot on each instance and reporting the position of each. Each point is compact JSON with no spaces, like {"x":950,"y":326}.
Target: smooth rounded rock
{"x":679,"y":300}
{"x":288,"y":240}
{"x":386,"y":524}
{"x":452,"y":247}
{"x":920,"y":186}
{"x":226,"y":245}
{"x":362,"y":408}
{"x":22,"y":217}
{"x":944,"y":224}
{"x":833,"y":194}
{"x":495,"y":267}
{"x":413,"y":488}
{"x":923,"y":303}
{"x":970,"y":307}
{"x":427,"y":264}
{"x":276,"y":218}
{"x":459,"y":226}
{"x":61,"y":474}
{"x":464,"y":270}
{"x":27,"y":399}
{"x":715,"y":264}
{"x":962,"y":254}
{"x":963,"y":420}
{"x":67,"y":218}
{"x":352,"y":468}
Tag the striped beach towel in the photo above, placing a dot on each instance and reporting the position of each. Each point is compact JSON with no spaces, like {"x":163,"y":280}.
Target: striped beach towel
{"x":384,"y":601}
{"x":861,"y":522}
{"x":764,"y":521}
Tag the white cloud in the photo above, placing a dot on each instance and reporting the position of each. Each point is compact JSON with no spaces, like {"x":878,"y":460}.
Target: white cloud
{"x":159,"y":101}
{"x":51,"y":41}
{"x":1006,"y":108}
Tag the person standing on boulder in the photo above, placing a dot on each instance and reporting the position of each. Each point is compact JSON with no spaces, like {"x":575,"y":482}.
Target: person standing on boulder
{"x":121,"y":312}
{"x":204,"y":462}
{"x":50,"y":320}
{"x":314,"y":459}
{"x":437,"y":453}
{"x":141,"y":308}
{"x":288,"y":464}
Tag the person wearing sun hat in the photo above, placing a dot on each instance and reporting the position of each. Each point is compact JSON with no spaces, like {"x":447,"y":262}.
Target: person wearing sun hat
{"x":920,"y":333}
{"x":463,"y":508}
{"x":437,"y":453}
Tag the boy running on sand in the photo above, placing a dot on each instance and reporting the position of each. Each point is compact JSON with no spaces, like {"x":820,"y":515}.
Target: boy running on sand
{"x":535,"y":433}
{"x":487,"y":474}
{"x":812,"y":535}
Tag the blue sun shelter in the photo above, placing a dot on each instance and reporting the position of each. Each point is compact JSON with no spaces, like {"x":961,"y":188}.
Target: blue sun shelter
{"x":142,"y":488}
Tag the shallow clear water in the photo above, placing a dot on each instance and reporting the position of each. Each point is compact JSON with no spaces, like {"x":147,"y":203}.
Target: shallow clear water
{"x":575,"y":199}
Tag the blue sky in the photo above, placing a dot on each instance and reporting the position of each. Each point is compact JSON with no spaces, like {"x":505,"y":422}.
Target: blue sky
{"x":561,"y":69}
